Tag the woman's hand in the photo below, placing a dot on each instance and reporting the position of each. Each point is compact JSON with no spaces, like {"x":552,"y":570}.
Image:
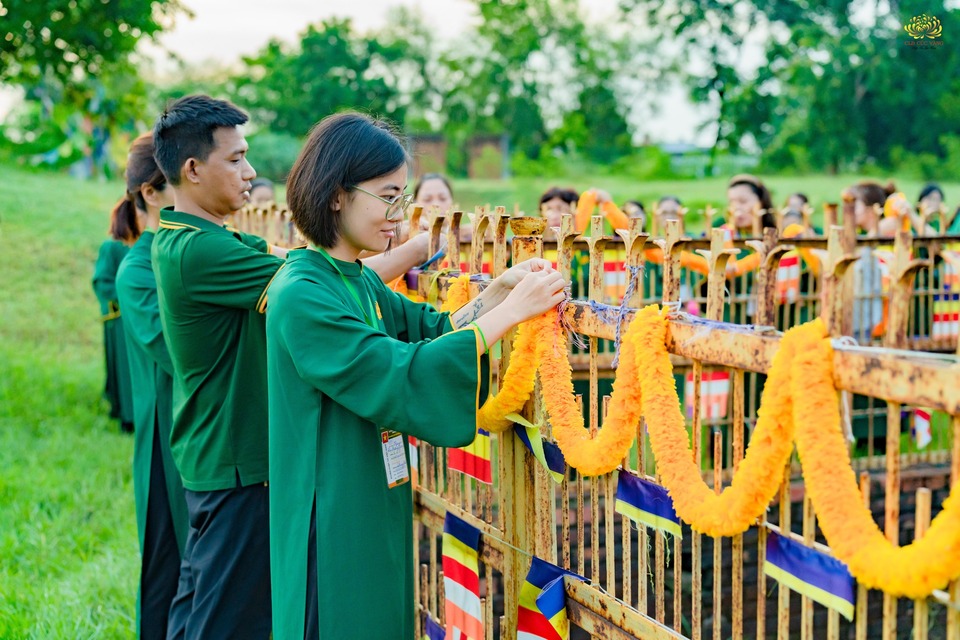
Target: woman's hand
{"x":536,"y":292}
{"x":512,"y":276}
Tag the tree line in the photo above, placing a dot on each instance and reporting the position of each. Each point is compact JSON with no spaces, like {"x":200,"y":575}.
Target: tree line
{"x":805,"y":85}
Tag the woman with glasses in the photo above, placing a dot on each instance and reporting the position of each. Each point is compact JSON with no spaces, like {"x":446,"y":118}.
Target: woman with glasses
{"x":353,"y":368}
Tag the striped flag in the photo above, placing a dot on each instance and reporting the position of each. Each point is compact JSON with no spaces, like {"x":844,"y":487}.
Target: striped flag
{"x":546,"y":453}
{"x":646,"y":503}
{"x":946,"y":305}
{"x":542,"y":611}
{"x":714,"y":392}
{"x":432,"y":629}
{"x":788,"y":277}
{"x":473,"y":459}
{"x":461,"y":579}
{"x":614,"y":280}
{"x":811,"y":573}
{"x":413,"y":446}
{"x":921,"y":428}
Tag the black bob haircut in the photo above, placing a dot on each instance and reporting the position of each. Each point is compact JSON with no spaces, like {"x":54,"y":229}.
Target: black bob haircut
{"x":185,"y":130}
{"x":341,"y":151}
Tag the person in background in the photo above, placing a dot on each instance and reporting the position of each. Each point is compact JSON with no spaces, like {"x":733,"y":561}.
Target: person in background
{"x":158,"y":493}
{"x":123,"y":232}
{"x":669,"y":208}
{"x":634,"y":209}
{"x":262,"y":193}
{"x":352,"y":370}
{"x":554,"y":202}
{"x":433,"y":191}
{"x":748,"y":197}
{"x":869,"y":197}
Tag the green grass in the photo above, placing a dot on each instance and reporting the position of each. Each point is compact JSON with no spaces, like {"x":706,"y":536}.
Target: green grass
{"x":68,"y":543}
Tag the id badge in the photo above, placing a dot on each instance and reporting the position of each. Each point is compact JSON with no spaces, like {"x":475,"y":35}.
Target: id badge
{"x":394,"y":457}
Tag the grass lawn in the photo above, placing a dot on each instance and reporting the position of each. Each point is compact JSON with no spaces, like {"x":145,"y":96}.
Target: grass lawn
{"x":68,"y":539}
{"x":68,"y":543}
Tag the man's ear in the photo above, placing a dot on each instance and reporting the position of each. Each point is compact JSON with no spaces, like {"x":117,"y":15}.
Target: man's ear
{"x":190,"y":172}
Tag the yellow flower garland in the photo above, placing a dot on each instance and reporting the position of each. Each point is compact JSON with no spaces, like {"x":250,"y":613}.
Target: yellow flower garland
{"x":759,"y":474}
{"x":802,"y":367}
{"x":603,"y":452}
{"x":913,"y":571}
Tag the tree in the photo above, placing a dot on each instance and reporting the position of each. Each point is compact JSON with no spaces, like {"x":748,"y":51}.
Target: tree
{"x":68,"y":41}
{"x":289,"y":89}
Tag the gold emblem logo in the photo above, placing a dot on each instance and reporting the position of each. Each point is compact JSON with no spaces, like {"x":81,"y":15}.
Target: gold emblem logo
{"x":924,"y":26}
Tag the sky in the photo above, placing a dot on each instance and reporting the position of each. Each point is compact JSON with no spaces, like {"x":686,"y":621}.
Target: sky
{"x":225,"y":30}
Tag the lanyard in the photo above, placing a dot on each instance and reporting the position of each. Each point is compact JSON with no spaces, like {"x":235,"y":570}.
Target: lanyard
{"x":370,"y":314}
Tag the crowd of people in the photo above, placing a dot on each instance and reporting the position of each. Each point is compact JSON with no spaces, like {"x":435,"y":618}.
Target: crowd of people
{"x":265,"y":387}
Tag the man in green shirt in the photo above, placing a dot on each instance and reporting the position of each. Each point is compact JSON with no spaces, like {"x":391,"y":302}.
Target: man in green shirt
{"x":210,"y":282}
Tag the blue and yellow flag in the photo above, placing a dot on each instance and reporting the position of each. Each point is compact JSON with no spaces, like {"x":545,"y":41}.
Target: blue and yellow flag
{"x":546,"y":453}
{"x":811,"y":573}
{"x":542,"y":610}
{"x":646,"y":503}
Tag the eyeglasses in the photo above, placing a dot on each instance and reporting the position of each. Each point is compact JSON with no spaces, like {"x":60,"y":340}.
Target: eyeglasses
{"x":396,"y":208}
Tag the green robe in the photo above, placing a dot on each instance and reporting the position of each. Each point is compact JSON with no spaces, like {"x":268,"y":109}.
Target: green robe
{"x":333,"y":383}
{"x":152,"y":372}
{"x":118,"y":389}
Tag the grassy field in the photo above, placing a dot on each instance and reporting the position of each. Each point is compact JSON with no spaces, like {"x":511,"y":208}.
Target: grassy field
{"x":68,"y":544}
{"x":68,"y":539}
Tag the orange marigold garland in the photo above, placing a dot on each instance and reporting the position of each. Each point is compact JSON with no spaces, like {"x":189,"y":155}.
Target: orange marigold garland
{"x":759,"y":474}
{"x":590,"y":454}
{"x":913,"y":571}
{"x":519,"y":378}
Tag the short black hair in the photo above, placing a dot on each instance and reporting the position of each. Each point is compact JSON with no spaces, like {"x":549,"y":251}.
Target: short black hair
{"x":261,"y":182}
{"x":341,"y":151}
{"x":185,"y":130}
{"x":567,"y":195}
{"x":930,"y":187}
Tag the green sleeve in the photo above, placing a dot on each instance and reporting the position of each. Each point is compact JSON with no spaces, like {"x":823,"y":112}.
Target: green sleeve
{"x":429,"y":389}
{"x":137,"y":290}
{"x":105,"y":274}
{"x":218,"y":269}
{"x":415,"y":321}
{"x":254,"y":242}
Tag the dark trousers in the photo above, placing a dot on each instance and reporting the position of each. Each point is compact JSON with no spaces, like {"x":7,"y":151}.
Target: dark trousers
{"x":160,"y":562}
{"x":224,"y":589}
{"x":311,"y":623}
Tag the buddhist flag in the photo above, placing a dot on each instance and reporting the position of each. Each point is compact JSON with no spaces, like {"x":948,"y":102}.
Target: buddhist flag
{"x":474,"y":459}
{"x":788,"y":277}
{"x":432,"y":629}
{"x":921,"y":428}
{"x":646,"y":503}
{"x":461,"y":579}
{"x":413,"y":446}
{"x":542,"y":611}
{"x":714,"y":391}
{"x":546,"y":453}
{"x":811,"y":573}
